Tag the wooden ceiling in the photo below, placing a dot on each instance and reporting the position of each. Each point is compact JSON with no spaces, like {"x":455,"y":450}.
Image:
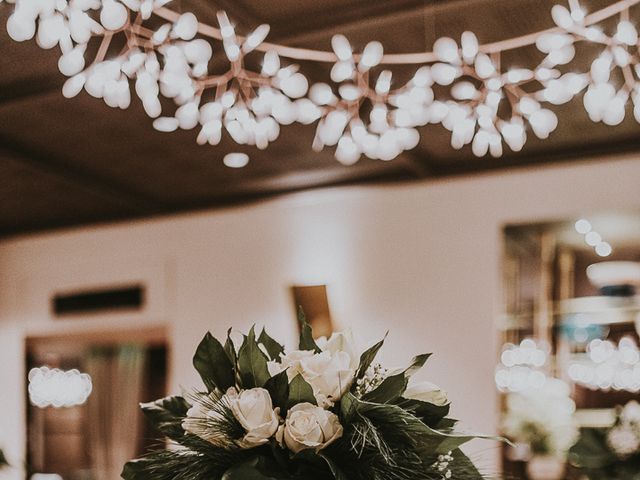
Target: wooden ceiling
{"x":71,"y":162}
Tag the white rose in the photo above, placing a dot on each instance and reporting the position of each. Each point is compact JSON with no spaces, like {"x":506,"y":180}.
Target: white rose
{"x":624,"y":441}
{"x":426,"y":392}
{"x":199,"y":419}
{"x":254,"y":410}
{"x":329,"y":374}
{"x":341,"y":342}
{"x":308,"y":426}
{"x":290,"y":362}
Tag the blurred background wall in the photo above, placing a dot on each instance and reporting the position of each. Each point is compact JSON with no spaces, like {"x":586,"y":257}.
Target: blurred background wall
{"x":421,"y":260}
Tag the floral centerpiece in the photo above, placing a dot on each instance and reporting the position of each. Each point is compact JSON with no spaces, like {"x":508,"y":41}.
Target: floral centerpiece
{"x":613,"y":452}
{"x":321,"y":412}
{"x":541,"y":420}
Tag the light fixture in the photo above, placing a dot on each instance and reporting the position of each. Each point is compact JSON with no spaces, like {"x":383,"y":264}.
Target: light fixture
{"x":236,"y":160}
{"x":488,"y":107}
{"x":609,"y":366}
{"x":57,"y":388}
{"x":520,"y":367}
{"x":593,"y":238}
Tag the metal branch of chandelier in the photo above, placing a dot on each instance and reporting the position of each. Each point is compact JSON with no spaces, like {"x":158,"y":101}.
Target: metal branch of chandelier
{"x":360,"y":111}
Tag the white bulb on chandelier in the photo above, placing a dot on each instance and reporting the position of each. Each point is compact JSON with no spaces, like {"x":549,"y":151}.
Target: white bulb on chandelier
{"x":332,"y":127}
{"x":480,"y":144}
{"x":186,"y":27}
{"x":342,"y":71}
{"x":548,"y":42}
{"x":422,"y":77}
{"x":228,"y":99}
{"x":615,"y":109}
{"x":188,"y":115}
{"x":51,"y":30}
{"x":379,"y":113}
{"x":562,"y":56}
{"x":349,"y":92}
{"x":383,"y":84}
{"x":347,"y":152}
{"x":321,"y":94}
{"x":562,"y":17}
{"x":470,"y":46}
{"x":21,"y":27}
{"x":601,"y":68}
{"x":463,"y":91}
{"x":556,"y":92}
{"x":308,"y":112}
{"x":284,"y":111}
{"x":443,"y":73}
{"x":210,"y":133}
{"x":152,"y":106}
{"x":528,"y":106}
{"x":446,"y":49}
{"x":270,"y":63}
{"x":231,"y":50}
{"x":236,"y":160}
{"x":518,"y":75}
{"x":165,"y":124}
{"x":408,"y":138}
{"x":626,"y":33}
{"x":72,"y":62}
{"x":575,"y":82}
{"x":74,"y":85}
{"x":197,"y":51}
{"x":341,"y":47}
{"x":295,"y":86}
{"x":371,"y":56}
{"x":596,"y":99}
{"x":621,"y":56}
{"x":543,"y":122}
{"x":388,"y":147}
{"x":484,"y":66}
{"x":255,"y":38}
{"x":113,"y":15}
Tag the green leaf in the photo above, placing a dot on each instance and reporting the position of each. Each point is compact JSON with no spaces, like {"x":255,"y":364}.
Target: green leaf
{"x":213,"y":364}
{"x":463,"y":467}
{"x":258,"y":468}
{"x":3,"y":460}
{"x":306,"y":334}
{"x":274,"y":349}
{"x":252,"y":363}
{"x":429,"y":413}
{"x":338,"y":474}
{"x":230,"y":349}
{"x":389,"y":390}
{"x":416,"y":364}
{"x":278,"y":387}
{"x":367,"y":358}
{"x":394,"y":386}
{"x":592,"y":451}
{"x":166,"y":415}
{"x":300,"y":392}
{"x":136,"y":469}
{"x":402,"y":427}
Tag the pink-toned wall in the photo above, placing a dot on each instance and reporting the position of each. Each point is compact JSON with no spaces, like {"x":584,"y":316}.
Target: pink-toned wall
{"x":422,"y":260}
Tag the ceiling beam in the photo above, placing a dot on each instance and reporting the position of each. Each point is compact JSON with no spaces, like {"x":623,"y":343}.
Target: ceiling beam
{"x":361,"y":16}
{"x":135,"y":202}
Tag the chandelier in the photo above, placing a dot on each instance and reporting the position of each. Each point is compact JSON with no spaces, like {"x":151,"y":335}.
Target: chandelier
{"x":359,"y":110}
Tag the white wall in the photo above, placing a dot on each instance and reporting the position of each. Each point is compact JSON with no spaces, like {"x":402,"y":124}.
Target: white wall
{"x":422,"y":260}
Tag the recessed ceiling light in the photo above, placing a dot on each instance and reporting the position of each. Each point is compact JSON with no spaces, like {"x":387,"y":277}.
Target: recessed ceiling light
{"x":236,"y":160}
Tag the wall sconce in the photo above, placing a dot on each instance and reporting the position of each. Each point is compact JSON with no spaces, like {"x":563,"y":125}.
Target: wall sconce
{"x":314,"y":302}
